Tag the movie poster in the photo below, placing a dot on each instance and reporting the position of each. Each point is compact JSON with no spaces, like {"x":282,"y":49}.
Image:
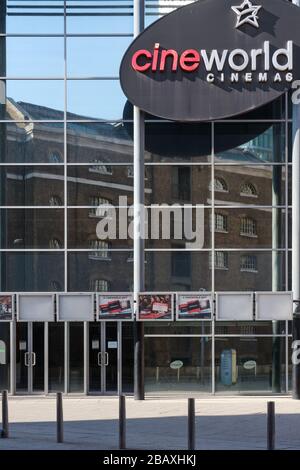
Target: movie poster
{"x":115,"y":307}
{"x":194,"y":306}
{"x":155,"y":307}
{"x":6,"y":308}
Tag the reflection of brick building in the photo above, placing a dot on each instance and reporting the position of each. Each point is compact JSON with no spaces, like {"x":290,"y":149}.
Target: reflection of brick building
{"x":99,"y":171}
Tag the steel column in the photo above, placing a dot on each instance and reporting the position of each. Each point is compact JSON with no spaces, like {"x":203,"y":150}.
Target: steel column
{"x":296,"y":239}
{"x":139,"y":262}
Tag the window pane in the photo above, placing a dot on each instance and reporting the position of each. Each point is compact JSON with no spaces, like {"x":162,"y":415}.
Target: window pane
{"x":32,"y":185}
{"x":177,"y":227}
{"x":99,"y":143}
{"x":81,"y":56}
{"x":94,"y":17}
{"x":5,"y":354}
{"x":76,"y":355}
{"x":163,"y":271}
{"x":31,"y":142}
{"x":178,"y":328}
{"x":40,"y":20}
{"x":99,"y":184}
{"x":238,"y":351}
{"x":250,"y":142}
{"x":95,"y":99}
{"x":84,"y":231}
{"x":268,"y":184}
{"x":195,"y":373}
{"x":252,"y":228}
{"x":32,"y":228}
{"x":269,"y":273}
{"x":178,"y":184}
{"x":250,"y":328}
{"x":34,"y":100}
{"x":56,"y":356}
{"x":34,"y":57}
{"x":85,"y":273}
{"x":174,"y":141}
{"x":32,"y":272}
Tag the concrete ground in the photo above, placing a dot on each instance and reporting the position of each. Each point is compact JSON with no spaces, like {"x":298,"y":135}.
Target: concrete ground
{"x":92,"y":423}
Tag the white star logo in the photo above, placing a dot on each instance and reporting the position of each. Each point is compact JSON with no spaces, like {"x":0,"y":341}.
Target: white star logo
{"x":246,"y":13}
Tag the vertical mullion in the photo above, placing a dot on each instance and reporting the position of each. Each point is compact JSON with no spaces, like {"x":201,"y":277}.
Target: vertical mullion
{"x":286,"y":131}
{"x":13,"y":357}
{"x":286,"y":356}
{"x":213,"y":253}
{"x":65,"y":154}
{"x":119,"y":359}
{"x":46,"y":358}
{"x":86,"y":357}
{"x":66,"y":358}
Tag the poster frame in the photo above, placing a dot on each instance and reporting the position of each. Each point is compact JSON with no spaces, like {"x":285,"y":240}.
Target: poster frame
{"x":157,"y":319}
{"x":198,"y":294}
{"x":74,"y":294}
{"x":34,"y":294}
{"x":114,"y":294}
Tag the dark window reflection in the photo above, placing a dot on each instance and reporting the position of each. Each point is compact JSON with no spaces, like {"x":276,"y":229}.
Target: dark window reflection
{"x":31,"y":142}
{"x":31,"y":185}
{"x":31,"y":272}
{"x":32,"y":228}
{"x":92,"y":273}
{"x":99,"y":144}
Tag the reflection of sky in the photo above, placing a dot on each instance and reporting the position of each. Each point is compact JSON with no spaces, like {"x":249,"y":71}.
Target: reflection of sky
{"x":87,"y":57}
{"x":33,"y":57}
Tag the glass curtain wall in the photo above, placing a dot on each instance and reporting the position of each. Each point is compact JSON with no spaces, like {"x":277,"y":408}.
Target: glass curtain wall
{"x":66,"y":156}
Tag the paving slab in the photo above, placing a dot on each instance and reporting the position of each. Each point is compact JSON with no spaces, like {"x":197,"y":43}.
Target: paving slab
{"x":232,"y":423}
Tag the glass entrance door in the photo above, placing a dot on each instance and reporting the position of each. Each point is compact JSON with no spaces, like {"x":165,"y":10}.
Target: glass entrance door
{"x":30,"y":357}
{"x":104,"y":357}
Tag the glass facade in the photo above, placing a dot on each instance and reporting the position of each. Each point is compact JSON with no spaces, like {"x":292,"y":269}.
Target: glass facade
{"x":66,"y":147}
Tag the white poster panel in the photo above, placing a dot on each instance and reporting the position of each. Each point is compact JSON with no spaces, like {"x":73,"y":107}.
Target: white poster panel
{"x":193,"y":306}
{"x":35,"y":307}
{"x":6,"y":307}
{"x":274,"y":306}
{"x":231,"y":306}
{"x":75,"y":307}
{"x":158,"y":306}
{"x":115,"y":306}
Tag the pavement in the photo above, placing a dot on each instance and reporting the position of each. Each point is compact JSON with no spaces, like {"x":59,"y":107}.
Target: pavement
{"x":233,"y":423}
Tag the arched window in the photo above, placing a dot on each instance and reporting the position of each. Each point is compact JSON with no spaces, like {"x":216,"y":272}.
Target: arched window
{"x":101,"y":168}
{"x":248,"y":189}
{"x":54,"y":243}
{"x":55,"y":286}
{"x":99,"y":285}
{"x":55,"y":201}
{"x":55,"y":157}
{"x":248,"y":227}
{"x":220,"y":185}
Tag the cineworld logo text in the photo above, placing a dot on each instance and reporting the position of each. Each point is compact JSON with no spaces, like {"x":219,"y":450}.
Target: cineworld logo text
{"x":276,"y":66}
{"x":212,"y":60}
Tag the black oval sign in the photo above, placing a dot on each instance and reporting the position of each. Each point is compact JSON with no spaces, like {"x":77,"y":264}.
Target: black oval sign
{"x":214,"y":59}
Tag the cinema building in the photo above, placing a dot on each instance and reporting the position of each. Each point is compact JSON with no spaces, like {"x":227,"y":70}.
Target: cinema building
{"x":71,"y":144}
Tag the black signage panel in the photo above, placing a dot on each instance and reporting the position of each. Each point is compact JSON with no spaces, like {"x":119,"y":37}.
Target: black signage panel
{"x":213,"y":59}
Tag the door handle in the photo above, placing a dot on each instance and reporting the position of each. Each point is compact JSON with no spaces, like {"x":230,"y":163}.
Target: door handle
{"x":99,"y":358}
{"x":26,"y":357}
{"x":33,"y":360}
{"x":106,"y":355}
